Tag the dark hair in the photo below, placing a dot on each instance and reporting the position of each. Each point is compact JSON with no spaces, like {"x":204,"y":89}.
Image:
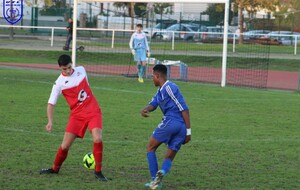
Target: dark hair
{"x":139,"y":25}
{"x":160,"y":68}
{"x":64,"y":60}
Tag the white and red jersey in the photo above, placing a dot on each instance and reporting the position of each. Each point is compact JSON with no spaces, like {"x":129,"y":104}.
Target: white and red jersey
{"x":76,"y":91}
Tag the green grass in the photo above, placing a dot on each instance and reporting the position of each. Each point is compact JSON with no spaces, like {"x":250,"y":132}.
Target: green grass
{"x":113,"y":58}
{"x":122,"y":39}
{"x":241,"y":138}
{"x":191,"y":46}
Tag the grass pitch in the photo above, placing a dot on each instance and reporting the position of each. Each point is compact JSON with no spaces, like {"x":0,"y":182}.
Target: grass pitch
{"x":114,"y":58}
{"x":241,"y":138}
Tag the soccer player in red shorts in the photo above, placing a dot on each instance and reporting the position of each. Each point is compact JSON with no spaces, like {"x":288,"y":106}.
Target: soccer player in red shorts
{"x":85,"y":113}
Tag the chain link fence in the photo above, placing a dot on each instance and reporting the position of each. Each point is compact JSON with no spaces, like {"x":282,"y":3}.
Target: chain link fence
{"x":105,"y":39}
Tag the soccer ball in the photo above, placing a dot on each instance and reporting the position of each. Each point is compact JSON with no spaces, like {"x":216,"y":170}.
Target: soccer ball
{"x":89,"y":161}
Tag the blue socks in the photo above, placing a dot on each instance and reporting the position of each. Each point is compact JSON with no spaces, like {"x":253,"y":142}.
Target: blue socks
{"x":138,"y":68}
{"x":153,"y":167}
{"x":142,"y":69}
{"x":152,"y":163}
{"x":166,"y":166}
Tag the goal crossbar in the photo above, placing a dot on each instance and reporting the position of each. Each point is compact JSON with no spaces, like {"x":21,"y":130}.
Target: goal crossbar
{"x":226,"y":21}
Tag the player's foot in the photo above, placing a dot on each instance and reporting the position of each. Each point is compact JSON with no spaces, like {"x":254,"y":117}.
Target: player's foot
{"x":48,"y":171}
{"x":141,"y":80}
{"x":101,"y":177}
{"x":156,"y":183}
{"x":147,"y":185}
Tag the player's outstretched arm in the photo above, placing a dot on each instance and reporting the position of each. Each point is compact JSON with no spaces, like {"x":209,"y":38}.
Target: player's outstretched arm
{"x":186,"y":118}
{"x":145,"y":111}
{"x":50,"y":111}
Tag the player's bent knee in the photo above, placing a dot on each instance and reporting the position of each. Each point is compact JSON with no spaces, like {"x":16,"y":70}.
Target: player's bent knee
{"x":151,"y":148}
{"x":97,"y":140}
{"x":97,"y":135}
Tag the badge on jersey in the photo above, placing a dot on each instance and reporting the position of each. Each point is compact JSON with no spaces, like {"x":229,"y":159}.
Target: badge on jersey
{"x":13,"y":10}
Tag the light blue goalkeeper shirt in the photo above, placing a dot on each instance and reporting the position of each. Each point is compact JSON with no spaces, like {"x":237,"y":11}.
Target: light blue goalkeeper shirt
{"x":138,"y":41}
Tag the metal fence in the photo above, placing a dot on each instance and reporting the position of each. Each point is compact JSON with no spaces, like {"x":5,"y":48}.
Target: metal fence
{"x":174,"y":38}
{"x":107,"y":52}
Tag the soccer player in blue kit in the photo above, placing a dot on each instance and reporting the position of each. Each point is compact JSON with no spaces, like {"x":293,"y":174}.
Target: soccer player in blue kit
{"x":174,"y":129}
{"x":139,"y":46}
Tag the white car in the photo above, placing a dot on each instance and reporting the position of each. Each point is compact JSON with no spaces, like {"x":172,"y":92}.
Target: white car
{"x":155,"y":32}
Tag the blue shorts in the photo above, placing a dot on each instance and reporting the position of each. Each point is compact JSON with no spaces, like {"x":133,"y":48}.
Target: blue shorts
{"x":170,"y":132}
{"x":140,"y":55}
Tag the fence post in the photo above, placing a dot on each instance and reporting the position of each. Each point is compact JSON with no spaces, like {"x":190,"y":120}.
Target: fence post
{"x":34,"y":18}
{"x":113,"y":39}
{"x":173,"y":36}
{"x":298,"y":80}
{"x":52,"y":36}
{"x":233,"y":45}
{"x":295,"y":49}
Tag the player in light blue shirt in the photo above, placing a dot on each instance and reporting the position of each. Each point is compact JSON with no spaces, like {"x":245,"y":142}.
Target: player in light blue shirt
{"x":139,"y":46}
{"x":174,"y":129}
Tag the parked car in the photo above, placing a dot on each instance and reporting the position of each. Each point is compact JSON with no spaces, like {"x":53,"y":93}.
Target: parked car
{"x":152,"y":32}
{"x":284,"y":37}
{"x":181,"y":31}
{"x":253,"y":34}
{"x":212,"y":34}
{"x":190,"y":35}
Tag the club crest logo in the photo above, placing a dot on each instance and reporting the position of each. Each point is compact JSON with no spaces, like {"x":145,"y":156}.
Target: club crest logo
{"x":12,"y":10}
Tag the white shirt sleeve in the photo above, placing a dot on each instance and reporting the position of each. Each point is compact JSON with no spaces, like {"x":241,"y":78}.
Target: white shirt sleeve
{"x":55,"y":93}
{"x":146,"y":43}
{"x":131,"y":42}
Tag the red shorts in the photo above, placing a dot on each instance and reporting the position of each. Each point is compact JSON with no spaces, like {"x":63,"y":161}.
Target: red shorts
{"x":78,"y":125}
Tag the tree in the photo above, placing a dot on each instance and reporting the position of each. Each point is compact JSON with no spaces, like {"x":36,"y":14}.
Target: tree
{"x":252,"y":6}
{"x":240,"y":6}
{"x":48,"y":3}
{"x":140,"y":9}
{"x":131,"y":10}
{"x":287,"y":10}
{"x":162,"y":8}
{"x":129,"y":7}
{"x":215,"y":13}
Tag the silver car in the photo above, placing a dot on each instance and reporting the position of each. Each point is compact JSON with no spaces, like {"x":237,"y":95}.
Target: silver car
{"x":212,"y":34}
{"x":284,"y":37}
{"x":253,"y":34}
{"x":179,"y":30}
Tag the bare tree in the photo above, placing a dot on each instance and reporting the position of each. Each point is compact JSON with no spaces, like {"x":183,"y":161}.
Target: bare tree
{"x":130,"y":9}
{"x":252,"y":6}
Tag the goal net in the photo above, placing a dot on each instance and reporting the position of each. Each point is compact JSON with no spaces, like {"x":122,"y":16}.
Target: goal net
{"x":177,"y":31}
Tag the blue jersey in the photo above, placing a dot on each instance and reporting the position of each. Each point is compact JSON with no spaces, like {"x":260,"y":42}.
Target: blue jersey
{"x":139,"y":41}
{"x":170,"y":101}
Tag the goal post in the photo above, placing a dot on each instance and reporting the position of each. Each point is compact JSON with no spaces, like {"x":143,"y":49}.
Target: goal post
{"x":226,"y":24}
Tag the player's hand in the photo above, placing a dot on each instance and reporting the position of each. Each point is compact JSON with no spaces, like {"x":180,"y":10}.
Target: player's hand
{"x":133,"y":52}
{"x":145,"y":113}
{"x":148,"y":54}
{"x":49,"y":127}
{"x":188,"y":138}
